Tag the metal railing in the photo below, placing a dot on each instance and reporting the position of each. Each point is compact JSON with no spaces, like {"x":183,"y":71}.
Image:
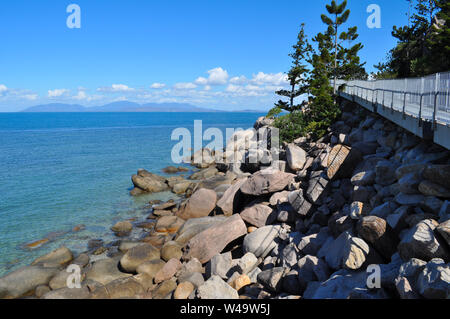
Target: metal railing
{"x":424,"y":98}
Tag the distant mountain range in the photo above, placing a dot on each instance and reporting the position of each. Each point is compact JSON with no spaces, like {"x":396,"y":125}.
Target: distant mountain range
{"x":122,"y":106}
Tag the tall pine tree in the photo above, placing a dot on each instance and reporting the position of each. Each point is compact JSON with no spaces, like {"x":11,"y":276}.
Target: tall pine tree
{"x":346,"y":62}
{"x":297,"y":75}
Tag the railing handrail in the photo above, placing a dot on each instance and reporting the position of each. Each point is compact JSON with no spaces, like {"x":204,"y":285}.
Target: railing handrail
{"x":426,"y":98}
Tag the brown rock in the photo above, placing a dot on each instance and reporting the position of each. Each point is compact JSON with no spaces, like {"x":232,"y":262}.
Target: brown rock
{"x":256,"y":215}
{"x":168,"y":271}
{"x":201,"y":204}
{"x":149,"y":182}
{"x":183,"y":290}
{"x":122,"y":228}
{"x":59,"y":257}
{"x":165,"y":289}
{"x":171,"y":250}
{"x":266,"y":181}
{"x":341,"y":161}
{"x":377,"y":232}
{"x":150,"y":268}
{"x":213,"y":240}
{"x":168,"y":224}
{"x":240,"y":282}
{"x":137,"y":256}
{"x":229,"y":201}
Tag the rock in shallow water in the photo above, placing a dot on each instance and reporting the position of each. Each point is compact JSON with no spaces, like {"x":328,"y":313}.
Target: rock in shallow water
{"x":25,"y":279}
{"x":137,"y":256}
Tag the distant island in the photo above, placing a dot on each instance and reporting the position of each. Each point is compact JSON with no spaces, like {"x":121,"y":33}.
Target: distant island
{"x":122,"y":106}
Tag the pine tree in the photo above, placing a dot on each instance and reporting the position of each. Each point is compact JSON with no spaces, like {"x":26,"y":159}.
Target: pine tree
{"x":297,"y":75}
{"x":423,"y":45}
{"x":346,"y":62}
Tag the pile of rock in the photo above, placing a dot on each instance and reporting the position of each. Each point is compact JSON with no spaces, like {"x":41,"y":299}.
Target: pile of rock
{"x":311,"y":226}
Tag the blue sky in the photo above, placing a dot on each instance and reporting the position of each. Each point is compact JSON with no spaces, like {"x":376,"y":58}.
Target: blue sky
{"x":213,"y":53}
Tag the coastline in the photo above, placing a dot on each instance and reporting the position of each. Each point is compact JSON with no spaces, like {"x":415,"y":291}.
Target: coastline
{"x":256,"y":233}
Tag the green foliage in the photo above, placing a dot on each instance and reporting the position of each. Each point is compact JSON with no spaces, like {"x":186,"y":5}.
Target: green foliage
{"x":424,"y":46}
{"x":291,"y":126}
{"x":335,"y":57}
{"x":297,"y":74}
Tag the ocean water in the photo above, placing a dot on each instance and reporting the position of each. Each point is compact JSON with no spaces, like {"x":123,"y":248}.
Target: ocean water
{"x":60,"y":170}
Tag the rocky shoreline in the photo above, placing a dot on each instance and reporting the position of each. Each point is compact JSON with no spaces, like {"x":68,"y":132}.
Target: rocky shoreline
{"x":310,"y":225}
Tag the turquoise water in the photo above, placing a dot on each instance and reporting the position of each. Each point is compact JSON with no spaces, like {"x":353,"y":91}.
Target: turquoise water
{"x":59,"y":170}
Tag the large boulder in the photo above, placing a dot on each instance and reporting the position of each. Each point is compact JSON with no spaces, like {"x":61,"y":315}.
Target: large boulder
{"x":204,"y":174}
{"x":229,"y":202}
{"x":257,"y":214}
{"x":342,"y":285}
{"x":213,"y":240}
{"x":271,"y":279}
{"x":137,"y":256}
{"x":200,"y":204}
{"x":261,"y":241}
{"x":266,"y":181}
{"x":348,"y":252}
{"x":420,"y":242}
{"x":25,"y":280}
{"x":195,"y":226}
{"x":429,"y":188}
{"x":434,"y":281}
{"x":439,"y":174}
{"x":149,"y":182}
{"x":216,"y":288}
{"x":105,"y":271}
{"x":299,"y":203}
{"x":68,"y":293}
{"x":341,"y":161}
{"x":59,"y":257}
{"x":296,"y":157}
{"x":377,"y":232}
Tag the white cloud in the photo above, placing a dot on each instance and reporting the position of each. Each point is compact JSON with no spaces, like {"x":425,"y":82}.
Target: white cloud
{"x":185,"y":86}
{"x":57,"y":92}
{"x":157,"y":85}
{"x":217,"y":76}
{"x":81,"y":96}
{"x":270,"y":78}
{"x":207,"y":88}
{"x":30,"y":97}
{"x":116,"y":88}
{"x":238,"y":80}
{"x":201,"y":81}
{"x":3,"y":88}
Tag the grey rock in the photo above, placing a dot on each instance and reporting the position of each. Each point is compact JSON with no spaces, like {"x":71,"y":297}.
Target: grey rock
{"x":420,"y":242}
{"x":247,"y":263}
{"x":26,"y":279}
{"x":434,"y":280}
{"x":216,"y":288}
{"x":261,"y":241}
{"x":384,"y":210}
{"x":219,"y":265}
{"x":296,"y":157}
{"x":299,"y":203}
{"x":272,"y":279}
